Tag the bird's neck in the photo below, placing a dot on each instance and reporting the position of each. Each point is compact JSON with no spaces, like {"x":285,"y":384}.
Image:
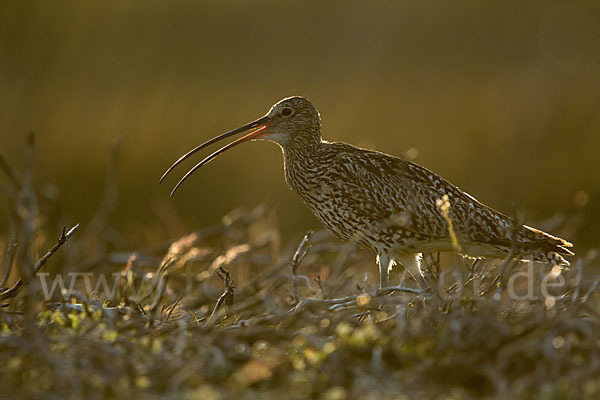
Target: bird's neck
{"x":301,"y":163}
{"x":301,"y":149}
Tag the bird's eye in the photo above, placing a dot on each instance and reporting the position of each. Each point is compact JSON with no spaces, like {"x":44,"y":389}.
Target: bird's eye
{"x":286,"y":112}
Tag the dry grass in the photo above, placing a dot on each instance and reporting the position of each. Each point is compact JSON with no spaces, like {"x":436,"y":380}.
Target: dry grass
{"x":226,"y":311}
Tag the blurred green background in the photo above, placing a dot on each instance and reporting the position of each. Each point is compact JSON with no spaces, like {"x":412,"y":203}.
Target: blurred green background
{"x":501,"y":98}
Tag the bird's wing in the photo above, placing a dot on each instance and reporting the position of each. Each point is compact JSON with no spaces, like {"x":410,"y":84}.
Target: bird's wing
{"x":470,"y":219}
{"x":384,"y":189}
{"x":411,"y":196}
{"x":479,"y":223}
{"x":397,"y":189}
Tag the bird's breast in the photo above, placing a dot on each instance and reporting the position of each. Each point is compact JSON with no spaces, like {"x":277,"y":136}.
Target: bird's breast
{"x":328,"y":202}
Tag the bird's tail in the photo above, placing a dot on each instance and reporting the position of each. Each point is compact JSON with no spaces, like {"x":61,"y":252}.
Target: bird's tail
{"x":544,"y":247}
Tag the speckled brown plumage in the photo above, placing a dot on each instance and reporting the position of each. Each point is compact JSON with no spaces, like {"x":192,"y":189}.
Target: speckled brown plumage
{"x":390,"y":204}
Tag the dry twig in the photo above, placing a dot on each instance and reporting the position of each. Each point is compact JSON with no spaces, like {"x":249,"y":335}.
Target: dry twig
{"x":227,"y":297}
{"x":12,"y":292}
{"x":9,"y":257}
{"x":297,"y":259}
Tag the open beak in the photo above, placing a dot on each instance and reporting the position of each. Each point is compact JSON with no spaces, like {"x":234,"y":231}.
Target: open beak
{"x":260,"y":128}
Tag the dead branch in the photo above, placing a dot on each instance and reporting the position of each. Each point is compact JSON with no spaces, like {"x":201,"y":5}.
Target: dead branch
{"x":172,"y":308}
{"x":100,"y":220}
{"x":297,"y":259}
{"x":227,"y":296}
{"x":577,"y":281}
{"x":332,"y":304}
{"x":10,"y":172}
{"x":9,"y":257}
{"x":28,"y":211}
{"x":12,"y":292}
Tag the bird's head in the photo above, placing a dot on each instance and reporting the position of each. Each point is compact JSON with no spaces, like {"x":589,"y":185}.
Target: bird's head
{"x":291,"y":122}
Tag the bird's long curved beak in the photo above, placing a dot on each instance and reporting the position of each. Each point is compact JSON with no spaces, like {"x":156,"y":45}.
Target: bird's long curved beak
{"x":260,"y":127}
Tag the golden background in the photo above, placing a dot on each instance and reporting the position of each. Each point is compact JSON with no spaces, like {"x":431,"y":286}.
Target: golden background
{"x":500,"y":98}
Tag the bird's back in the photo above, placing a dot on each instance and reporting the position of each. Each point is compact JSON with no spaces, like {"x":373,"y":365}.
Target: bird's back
{"x":386,"y":202}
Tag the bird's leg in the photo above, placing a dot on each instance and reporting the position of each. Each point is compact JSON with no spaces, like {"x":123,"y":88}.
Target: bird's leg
{"x":412,"y":263}
{"x":383,"y":260}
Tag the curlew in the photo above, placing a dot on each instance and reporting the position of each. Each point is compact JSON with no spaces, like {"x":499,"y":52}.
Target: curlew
{"x":391,"y":205}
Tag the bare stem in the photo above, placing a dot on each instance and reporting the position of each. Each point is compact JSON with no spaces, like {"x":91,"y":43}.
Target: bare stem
{"x":227,"y":296}
{"x":12,"y":292}
{"x":8,"y":260}
{"x":296,"y":260}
